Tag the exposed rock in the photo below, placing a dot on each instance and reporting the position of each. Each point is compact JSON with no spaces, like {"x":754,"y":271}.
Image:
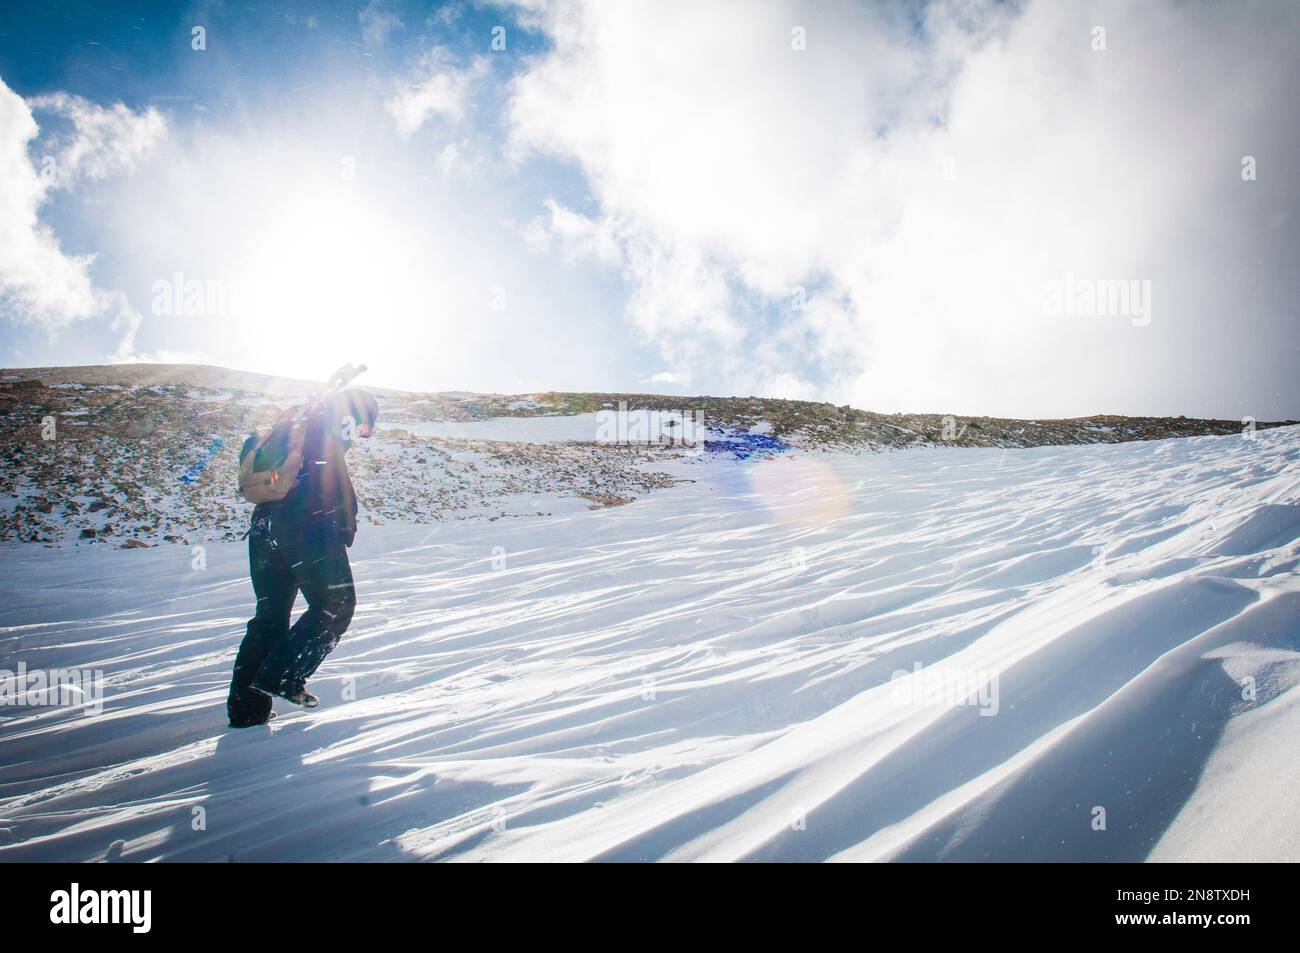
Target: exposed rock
{"x":127,"y":434}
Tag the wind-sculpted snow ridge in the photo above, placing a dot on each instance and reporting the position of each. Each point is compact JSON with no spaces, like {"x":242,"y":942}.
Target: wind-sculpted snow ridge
{"x":143,"y":455}
{"x":1067,"y":653}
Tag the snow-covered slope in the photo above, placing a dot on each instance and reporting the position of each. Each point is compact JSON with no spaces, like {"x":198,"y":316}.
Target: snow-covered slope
{"x":706,"y":674}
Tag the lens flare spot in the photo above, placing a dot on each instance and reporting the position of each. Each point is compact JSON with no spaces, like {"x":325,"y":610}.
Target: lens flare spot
{"x":799,"y":490}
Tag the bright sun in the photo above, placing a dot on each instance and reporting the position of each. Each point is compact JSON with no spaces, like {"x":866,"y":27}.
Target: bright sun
{"x":328,"y":274}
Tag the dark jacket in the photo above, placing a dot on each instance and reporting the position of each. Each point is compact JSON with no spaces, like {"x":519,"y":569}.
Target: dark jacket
{"x":323,"y":501}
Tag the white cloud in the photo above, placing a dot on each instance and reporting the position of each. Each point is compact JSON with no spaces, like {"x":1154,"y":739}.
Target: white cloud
{"x":438,"y":88}
{"x":449,"y":159}
{"x":667,"y":377}
{"x":377,"y":23}
{"x":923,"y":185}
{"x":162,"y":357}
{"x":39,"y":282}
{"x":104,"y":141}
{"x":578,"y":236}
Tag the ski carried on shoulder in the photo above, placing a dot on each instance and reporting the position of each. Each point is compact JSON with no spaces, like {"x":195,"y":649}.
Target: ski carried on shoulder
{"x":340,"y":379}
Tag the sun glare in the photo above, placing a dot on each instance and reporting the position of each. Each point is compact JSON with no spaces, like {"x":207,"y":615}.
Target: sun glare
{"x":328,"y":274}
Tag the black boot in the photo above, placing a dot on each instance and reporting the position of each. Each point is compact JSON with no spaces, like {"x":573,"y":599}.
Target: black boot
{"x":294,"y":696}
{"x":301,"y":697}
{"x":253,"y":724}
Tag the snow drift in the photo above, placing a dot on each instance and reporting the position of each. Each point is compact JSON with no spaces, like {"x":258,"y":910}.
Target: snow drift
{"x":1057,"y":653}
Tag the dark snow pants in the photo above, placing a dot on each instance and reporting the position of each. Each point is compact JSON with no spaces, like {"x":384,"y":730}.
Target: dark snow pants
{"x":284,"y":558}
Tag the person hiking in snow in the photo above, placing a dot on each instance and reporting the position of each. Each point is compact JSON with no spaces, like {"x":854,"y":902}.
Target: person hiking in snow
{"x":298,"y":541}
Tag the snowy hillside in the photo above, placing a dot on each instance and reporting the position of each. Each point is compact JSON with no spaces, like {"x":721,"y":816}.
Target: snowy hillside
{"x":144,"y":455}
{"x":1095,"y":637}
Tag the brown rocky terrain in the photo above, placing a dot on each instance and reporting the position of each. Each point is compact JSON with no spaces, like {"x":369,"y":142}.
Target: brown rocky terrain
{"x":141,"y":454}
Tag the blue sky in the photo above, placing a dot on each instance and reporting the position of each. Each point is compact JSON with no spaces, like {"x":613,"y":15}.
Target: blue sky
{"x":859,"y":202}
{"x":138,"y":51}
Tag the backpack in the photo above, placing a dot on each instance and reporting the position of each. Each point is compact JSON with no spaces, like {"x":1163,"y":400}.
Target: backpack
{"x":269,"y":468}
